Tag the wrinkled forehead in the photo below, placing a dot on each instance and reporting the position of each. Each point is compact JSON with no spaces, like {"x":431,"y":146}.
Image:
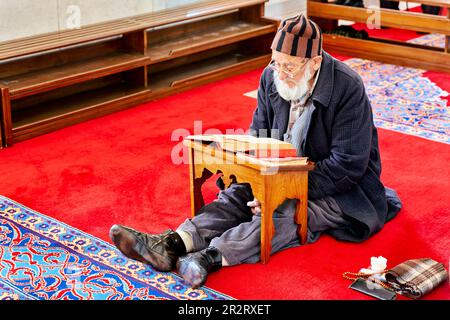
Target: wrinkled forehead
{"x":283,"y":58}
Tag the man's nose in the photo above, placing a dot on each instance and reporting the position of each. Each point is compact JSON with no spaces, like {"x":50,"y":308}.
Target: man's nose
{"x":282,"y":75}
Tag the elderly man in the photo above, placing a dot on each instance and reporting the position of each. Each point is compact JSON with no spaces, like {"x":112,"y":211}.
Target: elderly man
{"x":318,"y":104}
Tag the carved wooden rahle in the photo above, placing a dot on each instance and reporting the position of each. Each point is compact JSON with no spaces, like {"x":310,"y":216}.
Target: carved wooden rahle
{"x":271,"y":185}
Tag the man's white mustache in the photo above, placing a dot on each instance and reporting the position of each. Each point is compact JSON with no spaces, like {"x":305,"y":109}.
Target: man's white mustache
{"x":297,"y":91}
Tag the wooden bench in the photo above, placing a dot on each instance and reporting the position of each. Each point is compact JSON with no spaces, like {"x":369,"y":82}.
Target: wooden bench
{"x":388,"y":51}
{"x":58,"y":79}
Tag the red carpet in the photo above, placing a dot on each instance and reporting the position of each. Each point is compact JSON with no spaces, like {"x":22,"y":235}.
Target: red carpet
{"x":118,"y":169}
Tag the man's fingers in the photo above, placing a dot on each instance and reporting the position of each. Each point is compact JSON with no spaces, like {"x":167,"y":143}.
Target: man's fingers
{"x":254,"y":203}
{"x":255,"y":206}
{"x":256,"y":210}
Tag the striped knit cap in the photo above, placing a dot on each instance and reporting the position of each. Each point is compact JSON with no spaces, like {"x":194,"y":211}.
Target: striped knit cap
{"x":299,"y":37}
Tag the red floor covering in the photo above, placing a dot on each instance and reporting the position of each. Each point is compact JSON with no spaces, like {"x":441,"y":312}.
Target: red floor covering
{"x":118,"y":169}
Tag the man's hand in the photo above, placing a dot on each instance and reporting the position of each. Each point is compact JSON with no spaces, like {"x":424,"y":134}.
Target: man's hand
{"x":255,"y":206}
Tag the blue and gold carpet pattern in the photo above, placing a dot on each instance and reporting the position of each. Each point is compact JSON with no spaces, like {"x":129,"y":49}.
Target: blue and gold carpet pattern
{"x":42,"y":258}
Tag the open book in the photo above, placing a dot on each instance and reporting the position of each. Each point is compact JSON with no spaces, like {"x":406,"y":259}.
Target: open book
{"x":263,"y":149}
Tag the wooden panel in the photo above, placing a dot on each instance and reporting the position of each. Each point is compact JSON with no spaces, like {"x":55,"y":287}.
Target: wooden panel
{"x":388,"y":53}
{"x":23,"y":46}
{"x":407,"y":44}
{"x":60,"y":57}
{"x":26,"y":84}
{"x":189,"y":73}
{"x":270,"y":20}
{"x":202,"y":73}
{"x":389,"y":18}
{"x":278,"y":188}
{"x":46,"y":106}
{"x":161,"y":91}
{"x":209,"y":37}
{"x":252,"y":13}
{"x":216,"y":57}
{"x":48,"y":96}
{"x":193,"y":11}
{"x":71,"y":110}
{"x":6,"y":116}
{"x":439,"y":3}
{"x":2,"y":132}
{"x":171,"y":32}
{"x":447,"y":38}
{"x":258,"y":44}
{"x":192,"y":59}
{"x":135,"y":41}
{"x":136,"y":77}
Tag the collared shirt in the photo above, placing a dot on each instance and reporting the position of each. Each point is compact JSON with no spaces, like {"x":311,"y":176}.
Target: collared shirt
{"x":298,"y":107}
{"x":298,"y":131}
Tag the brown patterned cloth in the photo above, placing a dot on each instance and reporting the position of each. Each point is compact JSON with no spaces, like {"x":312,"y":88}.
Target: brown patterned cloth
{"x":415,"y":278}
{"x":298,"y":37}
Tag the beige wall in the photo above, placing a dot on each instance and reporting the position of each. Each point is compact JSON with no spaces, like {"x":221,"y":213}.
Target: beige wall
{"x":21,"y":18}
{"x":285,"y":8}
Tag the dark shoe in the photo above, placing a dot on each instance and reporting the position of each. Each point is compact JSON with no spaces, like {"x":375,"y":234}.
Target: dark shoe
{"x":349,"y":31}
{"x":194,"y":267}
{"x":220,"y":184}
{"x":431,"y":9}
{"x":354,"y":3}
{"x":388,"y":4}
{"x":159,"y":250}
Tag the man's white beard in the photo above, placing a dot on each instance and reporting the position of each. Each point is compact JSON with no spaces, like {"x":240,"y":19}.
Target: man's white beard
{"x":296,"y":92}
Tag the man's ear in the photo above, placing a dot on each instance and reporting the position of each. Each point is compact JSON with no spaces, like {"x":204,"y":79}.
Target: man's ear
{"x":316,"y":62}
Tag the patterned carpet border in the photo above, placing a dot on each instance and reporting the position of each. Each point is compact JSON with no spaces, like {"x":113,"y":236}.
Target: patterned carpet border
{"x":43,"y":258}
{"x":405,"y":101}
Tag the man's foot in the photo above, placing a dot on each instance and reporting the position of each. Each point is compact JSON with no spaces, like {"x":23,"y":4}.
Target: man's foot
{"x":159,"y":250}
{"x":194,"y":267}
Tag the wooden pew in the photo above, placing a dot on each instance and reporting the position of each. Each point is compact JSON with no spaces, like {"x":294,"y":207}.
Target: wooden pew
{"x":62,"y":78}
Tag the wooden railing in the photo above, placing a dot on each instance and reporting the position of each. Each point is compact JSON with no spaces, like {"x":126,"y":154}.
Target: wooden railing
{"x":389,"y":51}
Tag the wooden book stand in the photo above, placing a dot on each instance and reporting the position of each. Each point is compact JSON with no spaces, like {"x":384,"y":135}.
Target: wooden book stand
{"x":271,"y":182}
